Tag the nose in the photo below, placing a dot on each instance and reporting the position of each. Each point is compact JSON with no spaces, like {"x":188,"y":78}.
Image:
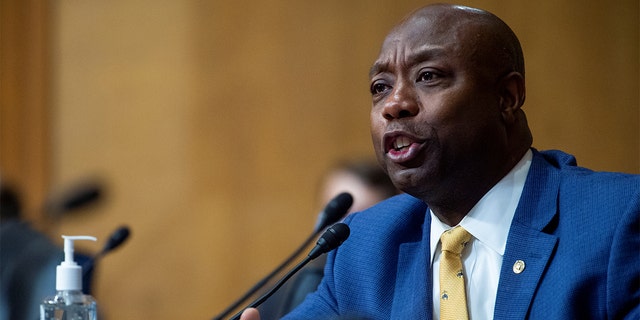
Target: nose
{"x":401,"y":103}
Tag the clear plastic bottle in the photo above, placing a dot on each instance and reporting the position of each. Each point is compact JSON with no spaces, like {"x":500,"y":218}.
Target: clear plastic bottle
{"x":69,"y":303}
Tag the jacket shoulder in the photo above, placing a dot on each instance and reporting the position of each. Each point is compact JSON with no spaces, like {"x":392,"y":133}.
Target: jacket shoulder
{"x":399,"y":213}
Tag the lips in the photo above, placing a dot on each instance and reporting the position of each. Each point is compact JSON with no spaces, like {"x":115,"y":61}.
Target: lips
{"x":401,"y":147}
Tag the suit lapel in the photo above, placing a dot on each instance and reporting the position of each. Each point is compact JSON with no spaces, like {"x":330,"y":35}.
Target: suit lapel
{"x":524,"y":262}
{"x":528,"y":249}
{"x":412,"y":295}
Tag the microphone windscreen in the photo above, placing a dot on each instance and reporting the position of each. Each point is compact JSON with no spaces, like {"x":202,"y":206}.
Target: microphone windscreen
{"x":335,"y":210}
{"x":330,"y":239}
{"x":116,"y":239}
{"x":81,"y":196}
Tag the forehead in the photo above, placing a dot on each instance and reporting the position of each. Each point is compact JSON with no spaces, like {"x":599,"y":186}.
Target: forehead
{"x":452,"y":34}
{"x":428,"y":25}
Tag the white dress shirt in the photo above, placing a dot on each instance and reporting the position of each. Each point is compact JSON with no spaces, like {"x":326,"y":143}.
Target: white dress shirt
{"x":488,"y":222}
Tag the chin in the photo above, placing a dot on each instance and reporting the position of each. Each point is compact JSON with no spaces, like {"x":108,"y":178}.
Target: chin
{"x":405,"y":179}
{"x":415,"y":181}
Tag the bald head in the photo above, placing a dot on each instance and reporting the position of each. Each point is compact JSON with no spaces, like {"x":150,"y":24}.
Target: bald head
{"x":488,"y":41}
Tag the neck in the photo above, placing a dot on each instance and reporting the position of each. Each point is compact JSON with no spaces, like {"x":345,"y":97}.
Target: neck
{"x":453,"y":202}
{"x":452,"y":210}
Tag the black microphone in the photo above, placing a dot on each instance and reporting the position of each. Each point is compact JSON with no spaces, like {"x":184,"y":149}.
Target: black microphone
{"x":81,"y":197}
{"x":76,"y":197}
{"x":335,"y":210}
{"x":116,"y":239}
{"x":331,"y":239}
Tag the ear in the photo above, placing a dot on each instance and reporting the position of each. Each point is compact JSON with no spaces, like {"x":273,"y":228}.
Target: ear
{"x":512,"y":95}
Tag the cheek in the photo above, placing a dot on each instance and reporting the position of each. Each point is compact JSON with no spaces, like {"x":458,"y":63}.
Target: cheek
{"x":377,"y":144}
{"x":377,"y":129}
{"x":460,"y":110}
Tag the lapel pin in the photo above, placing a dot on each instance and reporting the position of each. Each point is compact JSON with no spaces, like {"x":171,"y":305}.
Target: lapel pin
{"x":518,"y":267}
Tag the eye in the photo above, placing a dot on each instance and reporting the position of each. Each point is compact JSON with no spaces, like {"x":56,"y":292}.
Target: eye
{"x":430,"y":76}
{"x":427,"y":76}
{"x":379,"y":87}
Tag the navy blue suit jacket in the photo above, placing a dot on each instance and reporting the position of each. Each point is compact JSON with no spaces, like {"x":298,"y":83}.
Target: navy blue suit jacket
{"x":577,"y":231}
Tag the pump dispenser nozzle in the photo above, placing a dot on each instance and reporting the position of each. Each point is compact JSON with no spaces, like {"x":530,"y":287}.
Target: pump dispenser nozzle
{"x":69,"y":273}
{"x":69,"y":302}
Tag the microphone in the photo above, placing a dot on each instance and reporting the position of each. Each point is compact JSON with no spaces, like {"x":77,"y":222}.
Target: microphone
{"x":81,"y":197}
{"x":74,"y":198}
{"x":332,"y":213}
{"x":116,"y":239}
{"x":331,"y":239}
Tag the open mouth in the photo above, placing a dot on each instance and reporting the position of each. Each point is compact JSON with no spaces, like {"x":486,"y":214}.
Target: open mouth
{"x":401,"y":142}
{"x":401,"y":147}
{"x":398,"y":141}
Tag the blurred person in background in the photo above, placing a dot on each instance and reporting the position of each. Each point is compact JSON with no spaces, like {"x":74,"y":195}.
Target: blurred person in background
{"x":365,"y":180}
{"x":28,"y":261}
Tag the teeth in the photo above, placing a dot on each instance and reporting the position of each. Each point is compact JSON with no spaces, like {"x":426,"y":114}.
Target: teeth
{"x":401,"y":142}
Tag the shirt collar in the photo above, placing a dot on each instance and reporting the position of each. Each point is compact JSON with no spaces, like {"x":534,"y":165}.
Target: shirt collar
{"x":490,"y":219}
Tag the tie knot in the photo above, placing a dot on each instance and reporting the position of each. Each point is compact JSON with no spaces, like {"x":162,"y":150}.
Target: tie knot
{"x":454,"y":240}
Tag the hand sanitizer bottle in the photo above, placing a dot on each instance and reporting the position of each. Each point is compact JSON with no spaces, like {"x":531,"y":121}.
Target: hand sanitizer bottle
{"x":69,"y":303}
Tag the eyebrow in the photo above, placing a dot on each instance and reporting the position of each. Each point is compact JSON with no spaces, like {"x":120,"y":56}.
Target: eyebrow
{"x":423,"y":54}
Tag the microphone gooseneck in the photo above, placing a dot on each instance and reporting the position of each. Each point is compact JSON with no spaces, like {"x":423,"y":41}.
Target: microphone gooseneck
{"x":331,"y":239}
{"x":335,"y":210}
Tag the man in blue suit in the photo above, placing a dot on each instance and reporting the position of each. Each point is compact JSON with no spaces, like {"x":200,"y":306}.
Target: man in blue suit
{"x":549,"y":239}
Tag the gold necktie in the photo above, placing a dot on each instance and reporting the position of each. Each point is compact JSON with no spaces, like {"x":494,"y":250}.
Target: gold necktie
{"x":453,"y":301}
